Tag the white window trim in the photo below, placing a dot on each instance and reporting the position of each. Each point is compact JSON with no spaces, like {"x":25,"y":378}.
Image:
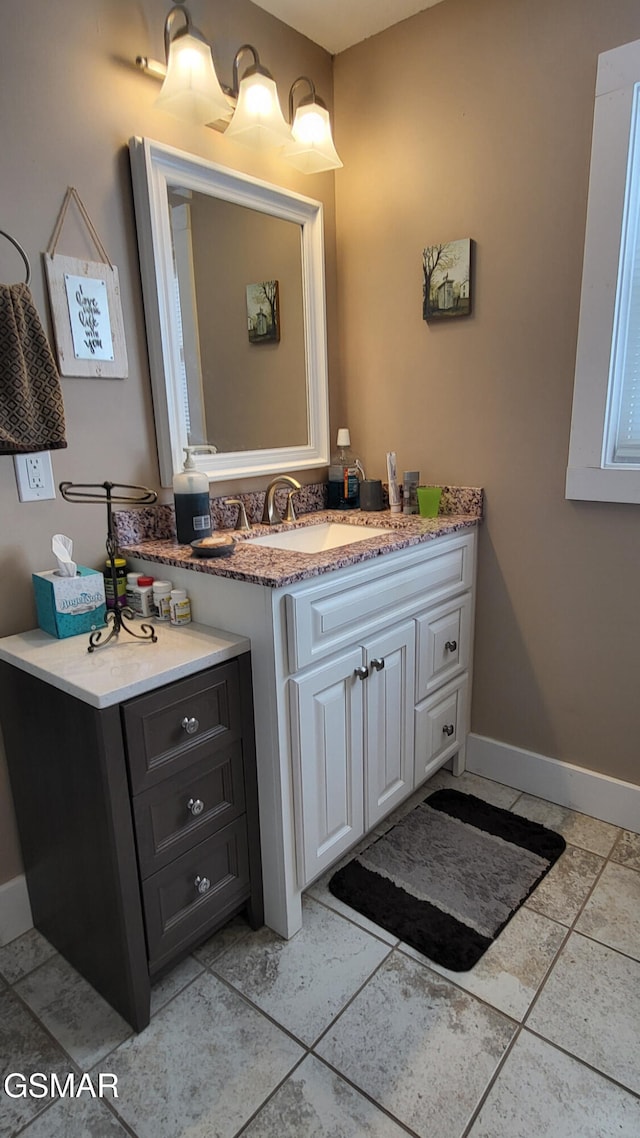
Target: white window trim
{"x":588,"y":477}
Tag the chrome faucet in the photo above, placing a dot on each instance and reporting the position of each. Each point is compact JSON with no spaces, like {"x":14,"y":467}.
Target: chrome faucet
{"x":270,"y":515}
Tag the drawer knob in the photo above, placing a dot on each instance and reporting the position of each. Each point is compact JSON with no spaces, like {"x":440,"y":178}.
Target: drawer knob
{"x":190,"y":724}
{"x":448,"y":729}
{"x":362,"y":672}
{"x":195,"y":806}
{"x":378,"y":664}
{"x":202,"y":884}
{"x":451,"y":645}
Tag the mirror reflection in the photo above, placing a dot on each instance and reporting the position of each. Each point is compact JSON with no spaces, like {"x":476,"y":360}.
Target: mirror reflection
{"x":238,"y":275}
{"x":233,"y":283}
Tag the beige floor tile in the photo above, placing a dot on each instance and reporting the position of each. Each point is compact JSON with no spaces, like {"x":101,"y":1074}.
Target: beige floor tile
{"x":418,"y":1046}
{"x":590,"y":1006}
{"x":512,"y":969}
{"x":231,"y":934}
{"x":23,"y":954}
{"x":468,"y":783}
{"x":83,"y":1023}
{"x":543,"y":1093}
{"x":562,"y":893}
{"x":612,"y":913}
{"x":316,"y":1103}
{"x":173,"y":982}
{"x":203,"y":1067}
{"x":25,"y":1047}
{"x":76,"y":1118}
{"x":627,"y":850}
{"x":578,"y":829}
{"x":304,"y":983}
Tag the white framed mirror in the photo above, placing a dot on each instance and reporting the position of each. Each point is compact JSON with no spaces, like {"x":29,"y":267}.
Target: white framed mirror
{"x":236,"y":363}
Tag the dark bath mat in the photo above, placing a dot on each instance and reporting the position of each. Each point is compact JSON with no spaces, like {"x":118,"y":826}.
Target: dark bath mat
{"x":449,"y":876}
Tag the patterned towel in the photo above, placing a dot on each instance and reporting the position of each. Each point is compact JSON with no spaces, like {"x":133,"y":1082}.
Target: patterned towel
{"x":31,"y":408}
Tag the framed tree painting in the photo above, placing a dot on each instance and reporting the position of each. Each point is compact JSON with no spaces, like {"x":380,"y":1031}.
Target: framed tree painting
{"x":446,"y":290}
{"x":263,"y":312}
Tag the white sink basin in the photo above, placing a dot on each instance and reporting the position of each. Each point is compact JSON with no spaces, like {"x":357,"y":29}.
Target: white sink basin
{"x":317,"y":539}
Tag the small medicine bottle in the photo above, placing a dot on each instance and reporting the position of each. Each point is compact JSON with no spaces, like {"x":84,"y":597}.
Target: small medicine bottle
{"x":161,"y":600}
{"x":121,"y":582}
{"x":180,"y":606}
{"x":139,"y":594}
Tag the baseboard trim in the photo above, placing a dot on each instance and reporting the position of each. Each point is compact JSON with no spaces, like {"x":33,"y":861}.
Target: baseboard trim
{"x":577,"y":788}
{"x":15,"y":910}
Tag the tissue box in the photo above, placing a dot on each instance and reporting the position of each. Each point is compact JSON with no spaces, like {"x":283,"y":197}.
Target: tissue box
{"x":69,"y":605}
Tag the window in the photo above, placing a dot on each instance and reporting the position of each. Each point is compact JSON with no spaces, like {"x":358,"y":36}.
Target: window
{"x":604,"y":453}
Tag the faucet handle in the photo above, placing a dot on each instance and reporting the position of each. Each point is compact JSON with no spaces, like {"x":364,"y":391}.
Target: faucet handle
{"x":242,"y":522}
{"x":290,"y":515}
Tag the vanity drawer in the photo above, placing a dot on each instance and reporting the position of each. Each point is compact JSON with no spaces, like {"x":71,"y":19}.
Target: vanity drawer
{"x":323,"y":618}
{"x":176,"y":911}
{"x":444,"y":640}
{"x":182,"y":811}
{"x":440,"y":727}
{"x":175,"y":726}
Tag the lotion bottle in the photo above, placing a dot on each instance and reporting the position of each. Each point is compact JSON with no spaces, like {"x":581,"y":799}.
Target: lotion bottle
{"x":191,"y":496}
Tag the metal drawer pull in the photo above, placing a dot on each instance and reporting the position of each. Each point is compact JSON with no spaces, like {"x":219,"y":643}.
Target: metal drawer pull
{"x":202,"y":884}
{"x":448,"y":729}
{"x":190,"y":724}
{"x":378,"y":664}
{"x":451,"y":645}
{"x":196,"y":806}
{"x":362,"y":672}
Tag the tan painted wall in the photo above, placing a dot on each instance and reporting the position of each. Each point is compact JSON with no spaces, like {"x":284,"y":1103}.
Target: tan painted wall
{"x":70,"y":100}
{"x":473,"y":119}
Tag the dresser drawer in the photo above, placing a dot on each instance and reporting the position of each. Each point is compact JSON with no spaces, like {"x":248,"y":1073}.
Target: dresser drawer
{"x":440,"y":727}
{"x":175,"y":726}
{"x":323,"y":618}
{"x":176,"y":911}
{"x":183,"y":810}
{"x":444,"y":640}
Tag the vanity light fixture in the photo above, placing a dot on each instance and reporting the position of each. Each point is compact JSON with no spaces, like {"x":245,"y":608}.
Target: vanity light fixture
{"x":258,"y":120}
{"x":312,"y":148}
{"x":191,"y":89}
{"x":250,"y":111}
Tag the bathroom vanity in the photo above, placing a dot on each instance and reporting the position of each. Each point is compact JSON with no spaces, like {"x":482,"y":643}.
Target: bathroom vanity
{"x":361,"y":665}
{"x":134,"y":780}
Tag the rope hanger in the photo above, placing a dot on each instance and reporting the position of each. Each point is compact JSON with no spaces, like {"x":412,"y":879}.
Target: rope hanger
{"x":72,"y":194}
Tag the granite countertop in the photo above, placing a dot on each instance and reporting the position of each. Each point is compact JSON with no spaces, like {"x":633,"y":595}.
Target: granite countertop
{"x":123,"y":668}
{"x":278,"y":567}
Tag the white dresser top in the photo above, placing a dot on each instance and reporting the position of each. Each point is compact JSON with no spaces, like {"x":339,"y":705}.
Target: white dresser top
{"x":123,"y":668}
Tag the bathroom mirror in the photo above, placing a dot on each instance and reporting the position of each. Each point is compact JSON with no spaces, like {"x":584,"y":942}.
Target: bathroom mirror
{"x":233,"y":284}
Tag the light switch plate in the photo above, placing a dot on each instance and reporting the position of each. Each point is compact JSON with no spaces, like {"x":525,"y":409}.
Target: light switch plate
{"x":34,"y":476}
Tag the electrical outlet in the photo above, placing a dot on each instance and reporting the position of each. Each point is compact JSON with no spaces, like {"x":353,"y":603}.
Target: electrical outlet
{"x":34,"y":476}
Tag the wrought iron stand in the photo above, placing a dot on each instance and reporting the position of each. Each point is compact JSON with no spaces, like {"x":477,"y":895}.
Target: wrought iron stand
{"x":103,"y":493}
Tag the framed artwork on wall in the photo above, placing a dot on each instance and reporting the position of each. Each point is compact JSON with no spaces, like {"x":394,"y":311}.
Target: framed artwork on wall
{"x":446,"y":289}
{"x":263,"y":312}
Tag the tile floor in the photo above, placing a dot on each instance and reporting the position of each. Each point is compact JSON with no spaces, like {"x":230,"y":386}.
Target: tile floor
{"x":343,"y":1032}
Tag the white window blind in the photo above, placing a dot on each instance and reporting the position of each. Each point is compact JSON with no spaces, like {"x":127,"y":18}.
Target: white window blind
{"x":623,"y":436}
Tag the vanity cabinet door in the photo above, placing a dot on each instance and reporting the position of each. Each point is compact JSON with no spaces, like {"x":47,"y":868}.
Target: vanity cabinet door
{"x":328,"y":754}
{"x":389,"y":687}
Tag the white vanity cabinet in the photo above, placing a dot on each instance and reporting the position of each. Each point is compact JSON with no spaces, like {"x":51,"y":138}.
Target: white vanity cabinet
{"x":351,"y":745}
{"x":361,"y":691}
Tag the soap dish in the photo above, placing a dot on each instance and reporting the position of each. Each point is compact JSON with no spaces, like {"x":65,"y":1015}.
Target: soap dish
{"x":218,"y":545}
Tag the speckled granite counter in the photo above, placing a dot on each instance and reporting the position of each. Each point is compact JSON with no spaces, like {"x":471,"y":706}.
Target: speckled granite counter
{"x":461,"y":509}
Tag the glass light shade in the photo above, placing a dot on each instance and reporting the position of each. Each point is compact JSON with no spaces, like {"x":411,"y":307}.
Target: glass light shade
{"x":312,"y":149}
{"x":191,"y":89}
{"x":258,"y":120}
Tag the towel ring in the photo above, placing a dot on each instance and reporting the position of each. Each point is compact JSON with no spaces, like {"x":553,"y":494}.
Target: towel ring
{"x":21,"y":251}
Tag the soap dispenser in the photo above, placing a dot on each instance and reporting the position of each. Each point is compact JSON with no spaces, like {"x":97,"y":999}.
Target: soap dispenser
{"x":344,"y":472}
{"x":191,"y":496}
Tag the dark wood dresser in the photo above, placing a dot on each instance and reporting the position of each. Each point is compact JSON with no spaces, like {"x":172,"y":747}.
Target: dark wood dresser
{"x":136,"y":798}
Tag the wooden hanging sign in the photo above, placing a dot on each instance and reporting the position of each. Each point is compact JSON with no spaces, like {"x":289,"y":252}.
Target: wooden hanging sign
{"x":86,"y":309}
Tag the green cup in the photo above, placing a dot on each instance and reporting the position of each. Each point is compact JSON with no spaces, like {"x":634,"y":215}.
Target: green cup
{"x":429,"y":501}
